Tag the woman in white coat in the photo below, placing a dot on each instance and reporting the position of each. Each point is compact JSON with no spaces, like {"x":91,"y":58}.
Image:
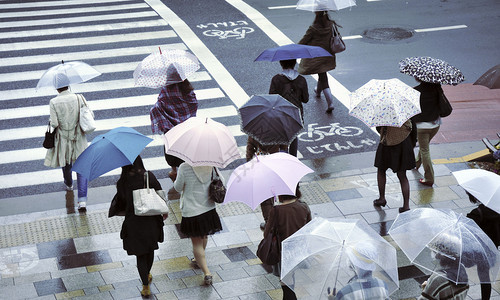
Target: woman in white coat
{"x":199,"y":217}
{"x":70,"y":140}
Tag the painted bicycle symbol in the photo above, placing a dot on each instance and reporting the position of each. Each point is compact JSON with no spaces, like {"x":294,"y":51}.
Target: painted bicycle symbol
{"x":316,"y":133}
{"x":238,"y":33}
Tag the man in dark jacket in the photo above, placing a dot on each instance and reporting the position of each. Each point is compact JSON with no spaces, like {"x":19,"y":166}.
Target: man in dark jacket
{"x":293,"y":87}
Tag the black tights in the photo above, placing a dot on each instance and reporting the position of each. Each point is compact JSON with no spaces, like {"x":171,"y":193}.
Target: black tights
{"x":288,"y":293}
{"x":144,"y":264}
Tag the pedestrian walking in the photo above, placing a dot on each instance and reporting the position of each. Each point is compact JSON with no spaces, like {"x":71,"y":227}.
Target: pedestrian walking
{"x":70,"y":140}
{"x":395,"y":151}
{"x":293,"y":87}
{"x":176,"y":103}
{"x":140,"y":234}
{"x":428,"y":122}
{"x":199,"y":217}
{"x":489,"y":221}
{"x":255,"y":148}
{"x":291,"y":214}
{"x":319,"y":34}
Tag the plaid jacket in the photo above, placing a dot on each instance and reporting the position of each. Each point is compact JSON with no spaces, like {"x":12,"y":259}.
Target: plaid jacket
{"x":172,"y":109}
{"x":369,"y":288}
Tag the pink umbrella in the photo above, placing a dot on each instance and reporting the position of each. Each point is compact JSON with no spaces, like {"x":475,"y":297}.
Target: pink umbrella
{"x":202,"y":142}
{"x":264,"y":177}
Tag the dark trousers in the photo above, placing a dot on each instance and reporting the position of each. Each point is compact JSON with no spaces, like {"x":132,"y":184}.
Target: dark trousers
{"x":292,"y":149}
{"x":322,"y":82}
{"x":144,"y":264}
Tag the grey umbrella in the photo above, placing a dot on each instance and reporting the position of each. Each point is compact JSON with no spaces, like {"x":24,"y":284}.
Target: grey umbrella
{"x":491,"y":78}
{"x":431,"y":69}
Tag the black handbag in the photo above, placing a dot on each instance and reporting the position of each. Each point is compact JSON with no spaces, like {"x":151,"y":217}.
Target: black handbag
{"x":337,"y":45}
{"x":445,"y":108}
{"x":216,"y":190}
{"x":268,"y":250}
{"x":117,"y":208}
{"x":49,"y":141}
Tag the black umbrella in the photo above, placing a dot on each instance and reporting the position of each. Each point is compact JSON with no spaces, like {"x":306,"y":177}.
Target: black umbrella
{"x":491,"y":78}
{"x":432,"y":70}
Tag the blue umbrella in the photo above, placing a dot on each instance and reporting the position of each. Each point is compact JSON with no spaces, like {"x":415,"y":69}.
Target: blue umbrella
{"x":116,"y":148}
{"x":270,"y":119}
{"x":292,"y":51}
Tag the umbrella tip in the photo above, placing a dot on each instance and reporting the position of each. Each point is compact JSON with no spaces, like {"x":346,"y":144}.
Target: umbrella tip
{"x":159,"y":49}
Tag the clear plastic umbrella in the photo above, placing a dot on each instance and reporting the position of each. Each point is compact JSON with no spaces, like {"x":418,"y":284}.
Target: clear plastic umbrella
{"x":482,"y":184}
{"x":332,"y":256}
{"x":447,"y":243}
{"x":65,"y":74}
{"x":324,"y":5}
{"x":385,"y":103}
{"x":165,"y":67}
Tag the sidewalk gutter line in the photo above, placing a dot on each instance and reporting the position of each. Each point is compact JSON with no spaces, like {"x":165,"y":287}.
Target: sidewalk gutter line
{"x":230,"y":86}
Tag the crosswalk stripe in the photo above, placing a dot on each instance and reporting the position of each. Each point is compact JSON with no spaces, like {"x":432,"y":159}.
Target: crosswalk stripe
{"x":65,"y":11}
{"x":94,"y":40}
{"x":84,"y":19}
{"x":105,"y":124}
{"x":38,"y":153}
{"x":83,"y":55}
{"x":80,"y":29}
{"x":97,"y":105}
{"x":78,"y":88}
{"x":56,"y":3}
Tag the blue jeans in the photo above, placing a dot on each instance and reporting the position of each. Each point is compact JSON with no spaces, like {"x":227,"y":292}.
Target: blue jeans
{"x":81,"y":181}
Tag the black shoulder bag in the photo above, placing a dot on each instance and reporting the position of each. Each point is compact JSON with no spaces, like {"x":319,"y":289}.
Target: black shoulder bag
{"x":216,"y":189}
{"x":269,"y":248}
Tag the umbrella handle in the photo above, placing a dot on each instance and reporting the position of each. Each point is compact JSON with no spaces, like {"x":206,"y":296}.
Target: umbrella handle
{"x":159,"y":49}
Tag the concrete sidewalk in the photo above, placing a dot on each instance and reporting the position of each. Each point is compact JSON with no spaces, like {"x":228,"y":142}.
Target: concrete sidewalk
{"x":60,"y":254}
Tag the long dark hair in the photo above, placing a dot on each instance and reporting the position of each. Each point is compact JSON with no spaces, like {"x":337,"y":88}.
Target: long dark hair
{"x":130,"y":170}
{"x":185,"y":87}
{"x":322,"y":19}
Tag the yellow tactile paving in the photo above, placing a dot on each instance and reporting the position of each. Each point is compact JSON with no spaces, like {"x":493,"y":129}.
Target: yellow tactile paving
{"x":97,"y":268}
{"x":69,"y":295}
{"x":436,"y":194}
{"x":171,"y":265}
{"x":342,"y":183}
{"x":105,"y":288}
{"x":253,"y":261}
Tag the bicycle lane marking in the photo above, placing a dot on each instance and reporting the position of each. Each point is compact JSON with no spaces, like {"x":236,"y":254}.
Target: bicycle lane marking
{"x":230,"y":86}
{"x":339,"y":91}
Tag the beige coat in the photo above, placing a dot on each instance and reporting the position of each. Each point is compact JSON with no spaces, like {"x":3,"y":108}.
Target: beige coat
{"x":316,"y":36}
{"x":70,"y":141}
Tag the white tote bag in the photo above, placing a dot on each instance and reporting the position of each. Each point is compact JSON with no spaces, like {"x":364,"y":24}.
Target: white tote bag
{"x":149,"y":202}
{"x":87,"y":122}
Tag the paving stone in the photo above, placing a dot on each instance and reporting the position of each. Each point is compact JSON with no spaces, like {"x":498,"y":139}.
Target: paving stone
{"x":32,"y":278}
{"x":242,"y":286}
{"x":50,"y":286}
{"x":68,"y":272}
{"x":98,"y":242}
{"x":81,"y":281}
{"x":127,"y":273}
{"x":255,"y":270}
{"x":232,"y":274}
{"x":276,"y":294}
{"x":241,"y":222}
{"x":21,"y":291}
{"x":32,"y":267}
{"x":325,"y":210}
{"x":126,"y":293}
{"x":166,"y":296}
{"x":181,"y":274}
{"x":70,"y":295}
{"x":170,"y":285}
{"x":101,"y":267}
{"x":342,"y":183}
{"x":100,"y":296}
{"x":197,"y":292}
{"x":233,"y":265}
{"x":239,"y":254}
{"x":230,"y":238}
{"x":344,"y":194}
{"x":444,"y":205}
{"x":431,"y":195}
{"x":171,"y":265}
{"x":256,"y":296}
{"x":7,"y":282}
{"x":56,"y":248}
{"x":83,"y":259}
{"x":96,"y":290}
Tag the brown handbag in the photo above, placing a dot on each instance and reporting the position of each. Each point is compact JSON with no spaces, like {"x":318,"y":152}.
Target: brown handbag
{"x":391,"y":136}
{"x":268,"y":250}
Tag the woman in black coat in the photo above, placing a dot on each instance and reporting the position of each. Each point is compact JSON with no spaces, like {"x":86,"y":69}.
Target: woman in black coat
{"x":140,"y":234}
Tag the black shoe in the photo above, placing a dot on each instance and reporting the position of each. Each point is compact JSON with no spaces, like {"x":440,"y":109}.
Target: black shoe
{"x":262,"y":226}
{"x":379,"y":203}
{"x":402,"y":209}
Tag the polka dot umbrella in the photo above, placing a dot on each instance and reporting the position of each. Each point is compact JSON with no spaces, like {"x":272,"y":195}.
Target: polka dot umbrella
{"x":165,"y":67}
{"x":432,"y":70}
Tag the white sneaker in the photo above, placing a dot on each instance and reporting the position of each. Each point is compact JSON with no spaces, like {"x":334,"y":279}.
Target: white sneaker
{"x":82,"y":206}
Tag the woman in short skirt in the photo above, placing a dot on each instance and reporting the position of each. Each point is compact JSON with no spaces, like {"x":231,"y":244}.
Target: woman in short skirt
{"x":199,"y":217}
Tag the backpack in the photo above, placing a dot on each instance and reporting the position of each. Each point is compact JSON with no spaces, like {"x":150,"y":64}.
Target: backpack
{"x":291,"y":93}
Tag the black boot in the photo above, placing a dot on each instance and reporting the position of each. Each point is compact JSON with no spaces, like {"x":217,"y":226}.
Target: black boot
{"x":329,"y":100}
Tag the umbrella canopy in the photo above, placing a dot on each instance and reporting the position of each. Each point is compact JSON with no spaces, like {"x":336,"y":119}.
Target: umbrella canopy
{"x":491,"y":78}
{"x":270,"y":119}
{"x":482,"y":184}
{"x":292,"y":51}
{"x":67,"y":73}
{"x":202,"y":142}
{"x":385,"y":103}
{"x":263,"y":177}
{"x":447,"y":243}
{"x":165,"y":67}
{"x":116,"y":148}
{"x":430,"y":69}
{"x":324,"y":5}
{"x":330,"y":254}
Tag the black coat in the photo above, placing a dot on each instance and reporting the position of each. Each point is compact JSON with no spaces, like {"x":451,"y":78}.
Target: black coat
{"x":140,"y":234}
{"x":300,"y":84}
{"x":429,"y":102}
{"x":488,"y":220}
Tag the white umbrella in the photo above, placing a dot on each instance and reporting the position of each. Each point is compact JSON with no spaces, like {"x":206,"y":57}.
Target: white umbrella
{"x":67,"y":73}
{"x":165,"y":67}
{"x":324,"y":5}
{"x":326,"y":255}
{"x":202,"y":142}
{"x":385,"y":103}
{"x":482,"y":184}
